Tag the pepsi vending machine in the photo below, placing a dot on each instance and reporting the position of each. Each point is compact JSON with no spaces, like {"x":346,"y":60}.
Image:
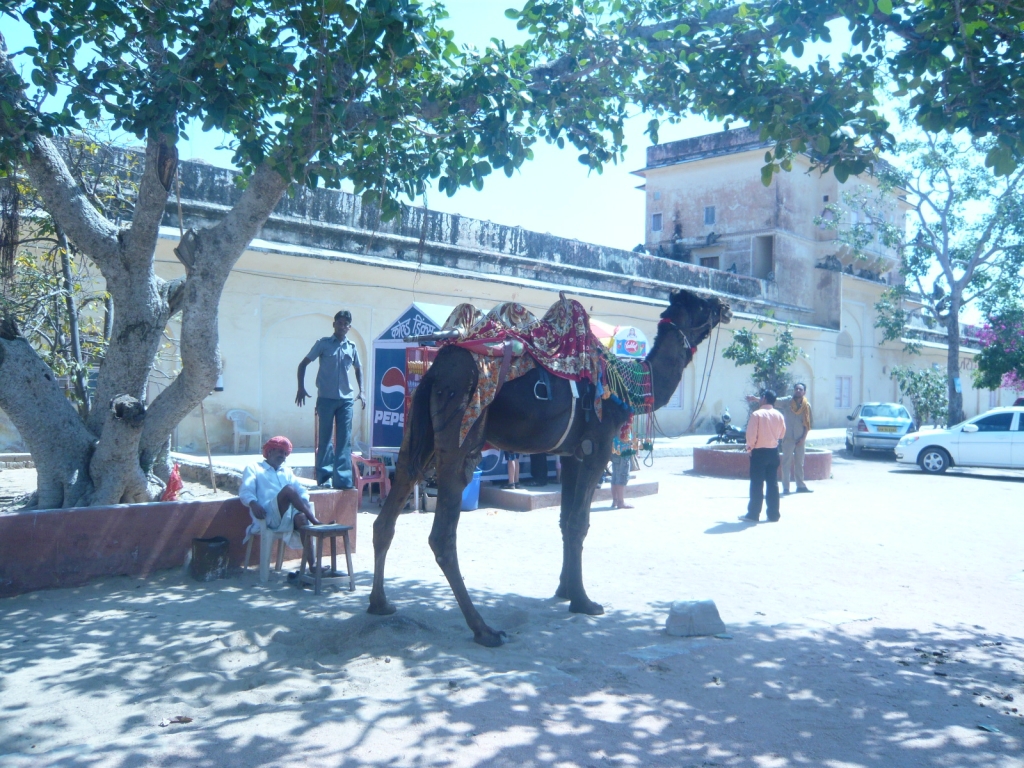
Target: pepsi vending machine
{"x":389,"y":373}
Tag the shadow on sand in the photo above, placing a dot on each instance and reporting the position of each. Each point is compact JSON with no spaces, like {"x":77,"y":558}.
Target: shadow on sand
{"x":275,"y":676}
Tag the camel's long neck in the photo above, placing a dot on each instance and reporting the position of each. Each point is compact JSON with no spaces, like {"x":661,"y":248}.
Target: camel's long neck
{"x":669,"y":356}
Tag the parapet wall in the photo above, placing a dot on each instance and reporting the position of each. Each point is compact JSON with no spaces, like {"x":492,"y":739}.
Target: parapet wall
{"x":339,"y":221}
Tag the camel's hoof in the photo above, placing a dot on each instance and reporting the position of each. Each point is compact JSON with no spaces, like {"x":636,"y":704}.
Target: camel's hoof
{"x":589,"y":607}
{"x":562,"y":593}
{"x":490,"y":638}
{"x":385,"y":609}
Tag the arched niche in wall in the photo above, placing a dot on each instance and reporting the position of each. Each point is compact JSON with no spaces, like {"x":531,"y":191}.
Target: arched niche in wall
{"x":844,"y":344}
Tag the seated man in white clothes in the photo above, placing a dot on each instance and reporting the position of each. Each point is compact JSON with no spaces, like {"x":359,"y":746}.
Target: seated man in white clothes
{"x":272,"y":493}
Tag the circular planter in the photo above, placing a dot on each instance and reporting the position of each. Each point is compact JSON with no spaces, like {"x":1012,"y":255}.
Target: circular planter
{"x":734,"y":461}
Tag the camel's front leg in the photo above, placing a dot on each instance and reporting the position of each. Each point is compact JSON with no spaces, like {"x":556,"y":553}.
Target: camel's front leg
{"x":384,"y":532}
{"x":575,"y":525}
{"x":443,"y":543}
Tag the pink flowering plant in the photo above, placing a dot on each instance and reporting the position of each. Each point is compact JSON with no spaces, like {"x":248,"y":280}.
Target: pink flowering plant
{"x":1001,"y":361}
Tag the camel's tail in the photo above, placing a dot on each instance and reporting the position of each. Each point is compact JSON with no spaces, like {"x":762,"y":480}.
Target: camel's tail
{"x":420,"y":427}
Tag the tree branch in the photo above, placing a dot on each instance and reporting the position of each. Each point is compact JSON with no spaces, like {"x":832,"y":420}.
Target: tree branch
{"x":216,"y":251}
{"x":151,"y":200}
{"x":93,"y":234}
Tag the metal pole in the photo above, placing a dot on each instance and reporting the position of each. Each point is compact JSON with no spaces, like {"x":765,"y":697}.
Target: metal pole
{"x":209,"y":456}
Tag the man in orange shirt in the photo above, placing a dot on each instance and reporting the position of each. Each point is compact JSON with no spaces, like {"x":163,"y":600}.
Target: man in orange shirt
{"x":765,"y":428}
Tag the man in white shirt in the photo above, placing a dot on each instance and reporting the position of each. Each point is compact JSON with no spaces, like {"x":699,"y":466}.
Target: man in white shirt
{"x":272,"y":493}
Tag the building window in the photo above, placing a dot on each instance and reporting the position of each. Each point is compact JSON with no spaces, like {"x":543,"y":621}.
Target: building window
{"x":657,"y":195}
{"x":844,"y":384}
{"x":711,"y":262}
{"x":993,"y":399}
{"x":824,"y":199}
{"x":844,"y":345}
{"x":709,"y":215}
{"x":656,"y":222}
{"x":763,"y":257}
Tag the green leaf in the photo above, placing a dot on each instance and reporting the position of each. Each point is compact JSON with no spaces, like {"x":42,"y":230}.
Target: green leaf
{"x":766,"y":174}
{"x":511,"y":13}
{"x":1001,"y":160}
{"x":885,"y":6}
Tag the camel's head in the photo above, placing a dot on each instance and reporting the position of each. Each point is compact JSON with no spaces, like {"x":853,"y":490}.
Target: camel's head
{"x":696,"y":315}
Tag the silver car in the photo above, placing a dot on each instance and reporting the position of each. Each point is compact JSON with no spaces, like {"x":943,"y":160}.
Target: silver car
{"x":878,"y":426}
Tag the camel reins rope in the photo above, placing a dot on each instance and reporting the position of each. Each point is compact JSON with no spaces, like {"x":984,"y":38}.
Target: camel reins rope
{"x":705,"y":382}
{"x":655,"y":426}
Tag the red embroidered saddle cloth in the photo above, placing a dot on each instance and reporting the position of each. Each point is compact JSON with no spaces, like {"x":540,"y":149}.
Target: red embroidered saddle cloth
{"x":561,"y":342}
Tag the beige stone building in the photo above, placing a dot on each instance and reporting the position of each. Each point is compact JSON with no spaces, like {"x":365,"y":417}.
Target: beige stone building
{"x":706,"y":206}
{"x":711,"y":226}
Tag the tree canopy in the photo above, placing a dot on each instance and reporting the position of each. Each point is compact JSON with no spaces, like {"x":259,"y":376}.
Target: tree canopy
{"x":964,"y":242}
{"x":1001,"y":361}
{"x":377,"y":92}
{"x":771,"y":364}
{"x":926,"y":389}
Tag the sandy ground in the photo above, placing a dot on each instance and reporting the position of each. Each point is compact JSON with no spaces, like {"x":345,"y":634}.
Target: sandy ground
{"x":879,"y":624}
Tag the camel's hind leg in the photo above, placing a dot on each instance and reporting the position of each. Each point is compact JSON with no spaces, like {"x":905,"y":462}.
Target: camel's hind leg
{"x":454,"y":471}
{"x":417,"y":448}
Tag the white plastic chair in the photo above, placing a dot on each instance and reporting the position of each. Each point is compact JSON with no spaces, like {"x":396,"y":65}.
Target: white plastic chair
{"x":267,"y":539}
{"x":238,"y":419}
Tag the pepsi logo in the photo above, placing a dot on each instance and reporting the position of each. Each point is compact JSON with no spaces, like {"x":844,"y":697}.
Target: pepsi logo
{"x":490,"y":458}
{"x":632,"y":345}
{"x":392,"y":389}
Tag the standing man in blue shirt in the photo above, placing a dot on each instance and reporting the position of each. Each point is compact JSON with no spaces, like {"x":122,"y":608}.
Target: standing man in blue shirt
{"x":334,"y":398}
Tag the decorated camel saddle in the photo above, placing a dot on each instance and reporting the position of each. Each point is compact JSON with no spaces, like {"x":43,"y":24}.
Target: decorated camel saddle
{"x":509,"y":341}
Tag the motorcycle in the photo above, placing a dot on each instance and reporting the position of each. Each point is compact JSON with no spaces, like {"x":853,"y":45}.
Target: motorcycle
{"x":726,"y":432}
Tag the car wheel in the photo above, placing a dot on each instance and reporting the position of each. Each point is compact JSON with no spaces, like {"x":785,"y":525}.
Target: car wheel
{"x":934,"y":461}
{"x":849,"y":446}
{"x":857,"y":451}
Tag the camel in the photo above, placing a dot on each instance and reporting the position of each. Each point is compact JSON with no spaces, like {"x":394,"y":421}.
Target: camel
{"x":517,"y":421}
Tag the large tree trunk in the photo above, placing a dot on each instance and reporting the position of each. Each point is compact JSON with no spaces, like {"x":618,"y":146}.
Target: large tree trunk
{"x":52,"y":430}
{"x":106,"y":458}
{"x":956,"y":399}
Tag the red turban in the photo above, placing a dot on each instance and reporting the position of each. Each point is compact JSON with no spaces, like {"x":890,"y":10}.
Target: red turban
{"x":277,"y":442}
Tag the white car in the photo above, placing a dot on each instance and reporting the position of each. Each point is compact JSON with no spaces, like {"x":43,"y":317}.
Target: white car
{"x":994,"y":439}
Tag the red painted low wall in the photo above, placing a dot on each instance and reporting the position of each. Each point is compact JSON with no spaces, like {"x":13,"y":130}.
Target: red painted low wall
{"x":67,"y":547}
{"x":723,"y":461}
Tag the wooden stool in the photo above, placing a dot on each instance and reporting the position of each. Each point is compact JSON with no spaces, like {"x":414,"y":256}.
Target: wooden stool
{"x":318,"y":533}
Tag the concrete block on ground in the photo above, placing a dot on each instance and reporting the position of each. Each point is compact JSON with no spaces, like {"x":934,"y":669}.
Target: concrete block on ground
{"x":527,"y":499}
{"x":694,"y":618}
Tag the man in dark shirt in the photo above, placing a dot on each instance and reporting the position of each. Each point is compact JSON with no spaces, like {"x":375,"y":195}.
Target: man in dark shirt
{"x":337,"y":355}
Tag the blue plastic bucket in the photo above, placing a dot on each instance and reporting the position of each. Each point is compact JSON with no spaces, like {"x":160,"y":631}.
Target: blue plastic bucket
{"x":471,"y":494}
